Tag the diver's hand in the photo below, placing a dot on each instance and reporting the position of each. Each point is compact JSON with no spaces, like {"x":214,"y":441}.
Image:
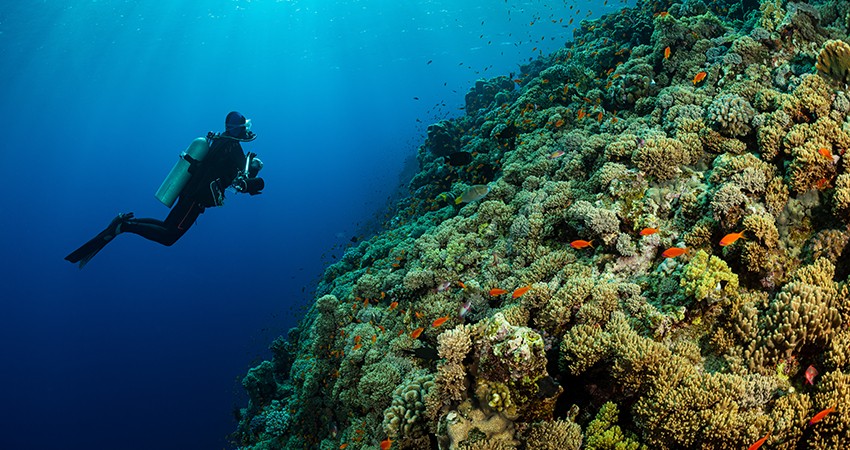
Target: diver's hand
{"x":240,"y":183}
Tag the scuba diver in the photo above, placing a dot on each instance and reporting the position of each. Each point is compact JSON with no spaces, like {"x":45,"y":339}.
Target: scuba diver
{"x":204,"y":171}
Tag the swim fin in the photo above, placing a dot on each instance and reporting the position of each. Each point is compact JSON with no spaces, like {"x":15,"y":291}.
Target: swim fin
{"x":86,"y":252}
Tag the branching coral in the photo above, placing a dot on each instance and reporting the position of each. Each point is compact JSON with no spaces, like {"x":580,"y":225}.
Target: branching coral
{"x":708,"y":278}
{"x":603,"y":433}
{"x":802,"y":314}
{"x":554,"y":435}
{"x":660,"y":158}
{"x":731,"y":114}
{"x":834,"y":61}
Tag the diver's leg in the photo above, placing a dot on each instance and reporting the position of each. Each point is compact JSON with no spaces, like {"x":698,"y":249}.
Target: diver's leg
{"x":166,"y":232}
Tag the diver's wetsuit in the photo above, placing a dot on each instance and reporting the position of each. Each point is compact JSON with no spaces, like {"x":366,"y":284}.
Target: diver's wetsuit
{"x":221,"y":166}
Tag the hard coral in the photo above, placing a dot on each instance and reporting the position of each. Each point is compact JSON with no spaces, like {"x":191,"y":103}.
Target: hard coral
{"x":731,"y":114}
{"x":403,"y":419}
{"x":834,"y":61}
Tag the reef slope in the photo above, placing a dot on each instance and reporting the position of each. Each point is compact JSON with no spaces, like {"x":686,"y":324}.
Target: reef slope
{"x":544,"y":314}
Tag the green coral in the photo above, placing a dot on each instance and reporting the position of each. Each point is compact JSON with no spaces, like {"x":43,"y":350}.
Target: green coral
{"x":603,"y":433}
{"x":708,"y":278}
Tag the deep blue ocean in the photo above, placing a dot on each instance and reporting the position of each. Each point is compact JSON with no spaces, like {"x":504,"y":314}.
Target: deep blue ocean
{"x":145,"y":347}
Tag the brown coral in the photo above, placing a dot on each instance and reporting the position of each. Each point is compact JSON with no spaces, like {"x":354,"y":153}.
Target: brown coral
{"x":834,"y":61}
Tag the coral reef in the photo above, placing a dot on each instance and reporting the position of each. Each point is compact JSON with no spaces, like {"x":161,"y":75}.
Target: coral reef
{"x":545,"y":314}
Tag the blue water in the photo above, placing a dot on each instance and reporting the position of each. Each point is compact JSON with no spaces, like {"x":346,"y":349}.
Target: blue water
{"x":145,"y":347}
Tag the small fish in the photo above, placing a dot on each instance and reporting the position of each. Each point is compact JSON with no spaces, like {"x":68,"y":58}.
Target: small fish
{"x":600,"y":116}
{"x":443,"y":286}
{"x":343,"y":446}
{"x":667,"y":53}
{"x":357,"y":347}
{"x":673,"y":252}
{"x":578,"y":243}
{"x":825,"y":153}
{"x":811,"y":373}
{"x":393,"y":305}
{"x":519,"y":292}
{"x":374,"y":338}
{"x":465,"y":309}
{"x":495,"y":292}
{"x":647,"y":231}
{"x":439,"y":321}
{"x":699,"y":77}
{"x":461,"y":285}
{"x":559,"y":123}
{"x":473,"y":193}
{"x":415,"y":333}
{"x":386,"y":444}
{"x":357,"y":339}
{"x":759,"y":442}
{"x":731,"y":238}
{"x":556,"y":154}
{"x":819,"y":416}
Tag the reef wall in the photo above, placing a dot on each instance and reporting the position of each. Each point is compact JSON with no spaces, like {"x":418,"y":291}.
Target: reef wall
{"x":659,"y":258}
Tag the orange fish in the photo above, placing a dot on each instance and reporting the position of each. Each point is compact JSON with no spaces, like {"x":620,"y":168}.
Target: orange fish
{"x":581,"y":114}
{"x":673,"y":252}
{"x":415,"y":333}
{"x":393,"y":305}
{"x":386,"y":444}
{"x":825,"y":153}
{"x":519,"y":292}
{"x":730,"y":238}
{"x":559,"y":123}
{"x":578,"y":243}
{"x":439,"y":321}
{"x":819,"y":416}
{"x":647,"y":231}
{"x":759,"y":442}
{"x":667,"y":53}
{"x":343,"y":446}
{"x":599,"y":117}
{"x":462,"y":286}
{"x":495,"y":292}
{"x":357,"y":347}
{"x":357,"y":339}
{"x":699,"y":77}
{"x":374,"y":338}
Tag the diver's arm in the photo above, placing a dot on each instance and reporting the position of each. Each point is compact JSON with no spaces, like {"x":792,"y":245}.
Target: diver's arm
{"x":250,"y":183}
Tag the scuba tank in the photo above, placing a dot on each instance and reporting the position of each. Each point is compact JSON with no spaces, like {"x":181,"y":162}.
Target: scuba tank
{"x":176,"y":180}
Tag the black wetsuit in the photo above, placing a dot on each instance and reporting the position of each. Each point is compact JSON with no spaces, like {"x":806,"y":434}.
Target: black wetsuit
{"x":220,"y":167}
